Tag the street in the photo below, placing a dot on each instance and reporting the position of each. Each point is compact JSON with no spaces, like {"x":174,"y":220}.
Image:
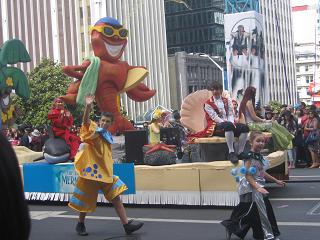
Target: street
{"x":297,"y":208}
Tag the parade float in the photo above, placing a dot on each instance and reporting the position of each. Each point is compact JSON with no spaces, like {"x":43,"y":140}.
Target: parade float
{"x":209,"y":180}
{"x":105,"y":76}
{"x":204,"y":180}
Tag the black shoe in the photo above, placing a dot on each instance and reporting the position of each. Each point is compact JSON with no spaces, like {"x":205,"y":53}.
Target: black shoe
{"x":233,"y":158}
{"x":81,"y":229}
{"x":132,"y":226}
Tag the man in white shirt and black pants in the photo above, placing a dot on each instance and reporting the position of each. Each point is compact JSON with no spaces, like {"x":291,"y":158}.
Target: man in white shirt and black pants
{"x":219,"y":112}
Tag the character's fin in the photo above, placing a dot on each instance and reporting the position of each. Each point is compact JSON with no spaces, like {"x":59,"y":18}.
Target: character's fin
{"x":135,"y":76}
{"x":141,"y":93}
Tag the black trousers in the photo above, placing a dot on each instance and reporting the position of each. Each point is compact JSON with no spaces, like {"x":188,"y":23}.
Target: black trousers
{"x":223,"y":127}
{"x":243,"y":218}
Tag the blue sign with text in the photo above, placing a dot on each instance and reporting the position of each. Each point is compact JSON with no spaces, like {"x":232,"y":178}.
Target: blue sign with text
{"x":61,"y":178}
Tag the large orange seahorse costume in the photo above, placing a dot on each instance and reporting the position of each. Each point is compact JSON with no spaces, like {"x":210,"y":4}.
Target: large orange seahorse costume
{"x":108,"y":39}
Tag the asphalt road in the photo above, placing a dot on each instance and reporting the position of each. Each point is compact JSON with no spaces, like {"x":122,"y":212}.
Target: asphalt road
{"x":297,"y":208}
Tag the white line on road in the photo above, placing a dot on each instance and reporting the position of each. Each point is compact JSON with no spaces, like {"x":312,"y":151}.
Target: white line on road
{"x":39,"y":215}
{"x":294,"y":199}
{"x":58,"y":214}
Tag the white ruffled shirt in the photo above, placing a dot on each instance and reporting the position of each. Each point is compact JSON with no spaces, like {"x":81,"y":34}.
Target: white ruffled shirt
{"x":222,"y":117}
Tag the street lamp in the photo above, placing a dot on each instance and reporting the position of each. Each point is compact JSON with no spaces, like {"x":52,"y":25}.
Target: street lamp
{"x":181,"y":2}
{"x":217,"y":65}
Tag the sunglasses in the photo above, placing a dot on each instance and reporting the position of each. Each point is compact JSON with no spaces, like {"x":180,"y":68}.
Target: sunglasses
{"x":109,"y":31}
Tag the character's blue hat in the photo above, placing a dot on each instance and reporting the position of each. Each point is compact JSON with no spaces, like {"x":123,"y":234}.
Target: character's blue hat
{"x":109,"y":20}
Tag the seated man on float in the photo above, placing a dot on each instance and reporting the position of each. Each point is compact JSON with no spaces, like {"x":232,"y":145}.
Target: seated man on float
{"x":61,"y":122}
{"x":220,"y":116}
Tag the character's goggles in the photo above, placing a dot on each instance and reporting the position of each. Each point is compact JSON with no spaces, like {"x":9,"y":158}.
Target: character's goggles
{"x":109,"y":31}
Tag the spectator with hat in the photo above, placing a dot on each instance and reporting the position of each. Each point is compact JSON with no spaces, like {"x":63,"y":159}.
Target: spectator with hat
{"x":36,"y":143}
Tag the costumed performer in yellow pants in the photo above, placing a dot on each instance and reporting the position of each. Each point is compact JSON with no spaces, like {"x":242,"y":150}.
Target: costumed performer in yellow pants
{"x":94,"y":166}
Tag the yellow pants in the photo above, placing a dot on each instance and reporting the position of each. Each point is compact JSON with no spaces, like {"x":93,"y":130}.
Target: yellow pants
{"x":85,"y":193}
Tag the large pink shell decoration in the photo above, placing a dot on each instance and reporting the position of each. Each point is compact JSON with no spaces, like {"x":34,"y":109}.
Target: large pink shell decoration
{"x":192,"y":113}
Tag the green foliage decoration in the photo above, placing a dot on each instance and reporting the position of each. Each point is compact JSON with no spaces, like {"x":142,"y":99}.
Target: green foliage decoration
{"x":47,"y":81}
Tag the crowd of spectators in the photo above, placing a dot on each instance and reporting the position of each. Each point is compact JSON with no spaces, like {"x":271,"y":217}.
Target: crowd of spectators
{"x":31,"y":137}
{"x":303,"y":123}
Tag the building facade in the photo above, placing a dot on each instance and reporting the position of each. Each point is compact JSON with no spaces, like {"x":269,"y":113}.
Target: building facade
{"x":59,"y":30}
{"x":186,"y":31}
{"x":195,"y":27}
{"x":49,"y":29}
{"x":307,"y":71}
{"x":306,"y":20}
{"x":279,"y":50}
{"x":189,"y":73}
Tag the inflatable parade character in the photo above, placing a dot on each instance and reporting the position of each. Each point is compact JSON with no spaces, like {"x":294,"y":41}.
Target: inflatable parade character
{"x":61,"y":123}
{"x":105,"y":76}
{"x":12,"y":52}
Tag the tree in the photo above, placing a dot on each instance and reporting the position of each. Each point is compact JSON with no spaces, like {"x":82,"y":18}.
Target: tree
{"x":47,"y":81}
{"x":275,"y":106}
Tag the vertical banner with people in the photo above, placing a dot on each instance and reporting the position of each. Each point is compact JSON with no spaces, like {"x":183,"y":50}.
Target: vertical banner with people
{"x":245,"y":54}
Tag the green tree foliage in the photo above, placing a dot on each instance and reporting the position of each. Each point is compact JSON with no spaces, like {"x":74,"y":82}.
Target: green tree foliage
{"x":275,"y":106}
{"x":47,"y":81}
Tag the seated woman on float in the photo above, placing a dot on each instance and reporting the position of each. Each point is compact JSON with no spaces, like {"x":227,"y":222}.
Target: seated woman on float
{"x":158,"y":121}
{"x":281,"y":136}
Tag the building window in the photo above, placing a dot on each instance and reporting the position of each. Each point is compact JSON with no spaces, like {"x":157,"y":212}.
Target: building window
{"x":309,"y":78}
{"x":298,"y":80}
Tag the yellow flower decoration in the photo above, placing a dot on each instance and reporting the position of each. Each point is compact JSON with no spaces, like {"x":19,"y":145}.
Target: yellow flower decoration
{"x":8,"y":115}
{"x":10,"y":112}
{"x":9,"y":82}
{"x":4,"y":117}
{"x":157,"y":113}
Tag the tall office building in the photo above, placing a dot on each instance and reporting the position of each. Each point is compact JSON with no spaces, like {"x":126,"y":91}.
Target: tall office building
{"x":59,"y":29}
{"x":195,"y":27}
{"x":49,"y":29}
{"x":279,"y":50}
